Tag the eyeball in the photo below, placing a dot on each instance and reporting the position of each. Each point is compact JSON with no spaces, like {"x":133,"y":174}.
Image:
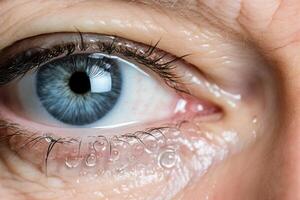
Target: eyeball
{"x":92,"y":90}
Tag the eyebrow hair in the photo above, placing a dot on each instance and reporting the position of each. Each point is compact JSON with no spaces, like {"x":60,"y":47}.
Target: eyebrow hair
{"x":168,"y":3}
{"x":188,"y":7}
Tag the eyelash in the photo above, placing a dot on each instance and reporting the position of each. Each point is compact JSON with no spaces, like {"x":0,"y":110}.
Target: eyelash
{"x":31,"y":140}
{"x":152,"y":58}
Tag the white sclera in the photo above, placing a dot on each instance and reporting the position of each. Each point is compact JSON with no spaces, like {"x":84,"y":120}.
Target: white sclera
{"x":143,"y":98}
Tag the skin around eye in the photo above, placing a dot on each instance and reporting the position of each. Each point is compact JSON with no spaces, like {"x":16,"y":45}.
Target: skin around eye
{"x":164,"y":157}
{"x":157,"y":147}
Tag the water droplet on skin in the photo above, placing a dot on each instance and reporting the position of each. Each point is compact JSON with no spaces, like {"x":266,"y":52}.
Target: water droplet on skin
{"x":100,"y":156}
{"x":91,"y":160}
{"x":174,"y":132}
{"x":115,"y":155}
{"x":132,"y":158}
{"x":100,"y":172}
{"x":72,"y":162}
{"x":121,"y":169}
{"x":151,"y":146}
{"x":254,"y":133}
{"x":138,"y":149}
{"x":99,"y":194}
{"x":83,"y":173}
{"x":168,"y":159}
{"x":100,"y":145}
{"x":158,"y":134}
{"x":48,"y":139}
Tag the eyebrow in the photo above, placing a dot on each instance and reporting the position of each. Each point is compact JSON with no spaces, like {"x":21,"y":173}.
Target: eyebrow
{"x":168,"y":3}
{"x":178,"y":5}
{"x":184,"y":7}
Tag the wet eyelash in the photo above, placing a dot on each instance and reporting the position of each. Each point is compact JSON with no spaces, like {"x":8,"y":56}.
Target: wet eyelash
{"x":32,"y":139}
{"x":152,"y":58}
{"x":32,"y":59}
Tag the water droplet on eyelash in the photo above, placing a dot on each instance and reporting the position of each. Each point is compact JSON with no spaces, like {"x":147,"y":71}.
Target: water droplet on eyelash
{"x":115,"y":155}
{"x":48,"y":139}
{"x":72,"y":162}
{"x":100,"y":145}
{"x":174,"y":132}
{"x":91,"y":160}
{"x":168,"y":159}
{"x":173,"y":135}
{"x":152,"y":146}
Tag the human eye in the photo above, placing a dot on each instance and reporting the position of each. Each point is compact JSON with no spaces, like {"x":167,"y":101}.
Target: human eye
{"x":111,"y":106}
{"x":88,"y":77}
{"x":98,"y":105}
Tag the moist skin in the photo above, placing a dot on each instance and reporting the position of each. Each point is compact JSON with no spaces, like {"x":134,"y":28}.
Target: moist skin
{"x":207,"y":50}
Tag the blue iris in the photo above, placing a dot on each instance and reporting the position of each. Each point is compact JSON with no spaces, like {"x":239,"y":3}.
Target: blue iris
{"x":65,"y":87}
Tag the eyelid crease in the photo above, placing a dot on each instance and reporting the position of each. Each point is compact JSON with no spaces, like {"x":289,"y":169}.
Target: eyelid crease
{"x":20,"y":63}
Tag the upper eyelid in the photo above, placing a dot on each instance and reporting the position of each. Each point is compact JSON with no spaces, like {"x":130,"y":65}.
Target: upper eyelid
{"x":159,"y":62}
{"x":178,"y":36}
{"x":177,"y":75}
{"x":154,"y":26}
{"x":18,"y":14}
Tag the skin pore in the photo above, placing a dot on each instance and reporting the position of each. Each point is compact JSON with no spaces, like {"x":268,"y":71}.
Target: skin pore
{"x":245,"y":47}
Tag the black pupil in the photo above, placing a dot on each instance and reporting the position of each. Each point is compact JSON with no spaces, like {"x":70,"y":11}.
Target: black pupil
{"x":80,"y":83}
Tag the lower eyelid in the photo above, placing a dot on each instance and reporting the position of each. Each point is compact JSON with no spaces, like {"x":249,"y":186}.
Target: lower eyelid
{"x":171,"y":154}
{"x":183,"y":107}
{"x":42,"y":142}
